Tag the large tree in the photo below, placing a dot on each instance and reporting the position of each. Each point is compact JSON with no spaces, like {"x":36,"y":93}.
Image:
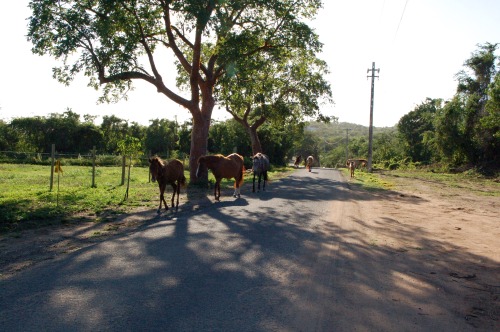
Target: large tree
{"x":116,"y":42}
{"x":473,"y":84}
{"x":415,"y":126}
{"x":280,"y":86}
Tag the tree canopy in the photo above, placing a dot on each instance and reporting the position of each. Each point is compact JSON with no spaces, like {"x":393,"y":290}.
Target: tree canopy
{"x":117,"y":42}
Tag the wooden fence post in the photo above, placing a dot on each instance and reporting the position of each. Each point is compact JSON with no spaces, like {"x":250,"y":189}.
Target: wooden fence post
{"x":149,"y":169}
{"x":124,"y":163}
{"x":93,"y":167}
{"x":53,"y":156}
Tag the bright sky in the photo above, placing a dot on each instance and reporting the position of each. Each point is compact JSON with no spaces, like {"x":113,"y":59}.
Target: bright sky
{"x":418,"y":45}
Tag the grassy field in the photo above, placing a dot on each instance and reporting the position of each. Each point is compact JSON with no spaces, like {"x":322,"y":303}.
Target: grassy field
{"x":26,"y":201}
{"x":25,"y":197}
{"x":385,"y":180}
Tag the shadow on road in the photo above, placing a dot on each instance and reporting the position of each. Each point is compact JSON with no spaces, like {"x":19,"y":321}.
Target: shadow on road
{"x":237,"y":266}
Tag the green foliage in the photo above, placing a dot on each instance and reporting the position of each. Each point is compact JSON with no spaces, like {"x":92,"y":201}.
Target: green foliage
{"x":463,"y":131}
{"x":129,"y":146}
{"x":117,"y":42}
{"x":327,"y":142}
{"x":415,"y":128}
{"x":161,"y":137}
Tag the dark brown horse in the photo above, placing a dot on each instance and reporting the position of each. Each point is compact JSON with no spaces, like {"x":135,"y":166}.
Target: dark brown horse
{"x":296,"y":164}
{"x":223,"y":167}
{"x":167,"y":173}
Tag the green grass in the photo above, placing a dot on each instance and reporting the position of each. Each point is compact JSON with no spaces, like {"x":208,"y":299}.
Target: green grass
{"x":27,"y":202}
{"x":470,"y":181}
{"x":369,"y":181}
{"x":26,"y":199}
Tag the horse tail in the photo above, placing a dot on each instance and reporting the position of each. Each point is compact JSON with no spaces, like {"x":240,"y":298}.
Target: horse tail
{"x":240,"y":182}
{"x":182,"y":180}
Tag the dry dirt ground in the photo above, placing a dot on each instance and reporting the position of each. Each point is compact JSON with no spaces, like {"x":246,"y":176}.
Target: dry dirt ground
{"x":461,"y":246}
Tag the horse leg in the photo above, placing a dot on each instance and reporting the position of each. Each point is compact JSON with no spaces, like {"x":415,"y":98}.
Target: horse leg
{"x":236,"y":189}
{"x":260,"y":178}
{"x":253,"y":188}
{"x":178,"y":193}
{"x":162,"y":198}
{"x":159,"y":208}
{"x":174,"y":189}
{"x":265,"y":180}
{"x":217,"y":186}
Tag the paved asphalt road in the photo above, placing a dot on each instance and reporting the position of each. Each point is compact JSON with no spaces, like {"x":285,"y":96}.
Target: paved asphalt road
{"x":287,"y":259}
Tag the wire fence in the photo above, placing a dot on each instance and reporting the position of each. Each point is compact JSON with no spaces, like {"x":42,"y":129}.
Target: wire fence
{"x":55,"y":161}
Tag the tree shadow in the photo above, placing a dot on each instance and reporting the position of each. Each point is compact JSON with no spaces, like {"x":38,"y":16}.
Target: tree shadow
{"x":233,"y":266}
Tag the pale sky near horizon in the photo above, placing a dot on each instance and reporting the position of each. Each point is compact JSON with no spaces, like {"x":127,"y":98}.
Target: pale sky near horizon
{"x":418,"y":45}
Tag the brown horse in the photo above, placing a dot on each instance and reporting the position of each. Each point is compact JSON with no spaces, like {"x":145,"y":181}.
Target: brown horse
{"x":352,"y":166}
{"x":167,"y":173}
{"x":223,"y":167}
{"x":309,"y":162}
{"x":357,"y":162}
{"x":297,"y":161}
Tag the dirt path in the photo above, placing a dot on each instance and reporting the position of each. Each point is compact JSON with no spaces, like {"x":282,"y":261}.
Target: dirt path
{"x":442,"y":240}
{"x":448,"y":237}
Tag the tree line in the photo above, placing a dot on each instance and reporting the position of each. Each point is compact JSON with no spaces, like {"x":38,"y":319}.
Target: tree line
{"x":466,"y":129}
{"x":162,"y":137}
{"x":461,"y":132}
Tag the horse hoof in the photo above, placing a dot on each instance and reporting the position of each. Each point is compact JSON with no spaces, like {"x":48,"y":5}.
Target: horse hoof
{"x":158,"y":211}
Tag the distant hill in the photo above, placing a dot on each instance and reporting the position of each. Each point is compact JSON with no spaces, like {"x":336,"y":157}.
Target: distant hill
{"x":332,"y":131}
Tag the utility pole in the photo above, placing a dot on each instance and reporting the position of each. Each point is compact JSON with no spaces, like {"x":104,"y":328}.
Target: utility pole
{"x":347,"y":144}
{"x":370,"y":130}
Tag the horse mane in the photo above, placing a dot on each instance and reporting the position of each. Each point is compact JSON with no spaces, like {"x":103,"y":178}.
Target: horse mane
{"x":160,"y":161}
{"x":211,"y":157}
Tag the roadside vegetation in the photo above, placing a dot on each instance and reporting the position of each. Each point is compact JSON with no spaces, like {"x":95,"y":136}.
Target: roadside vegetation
{"x":470,"y":180}
{"x":454,"y":142}
{"x":27,"y":202}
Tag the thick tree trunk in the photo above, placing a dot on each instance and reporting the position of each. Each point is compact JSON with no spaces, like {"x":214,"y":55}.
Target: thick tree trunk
{"x":254,"y":139}
{"x":199,"y":137}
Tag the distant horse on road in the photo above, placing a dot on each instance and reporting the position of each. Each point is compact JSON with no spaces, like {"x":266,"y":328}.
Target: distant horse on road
{"x":297,"y":161}
{"x":167,"y":173}
{"x":223,"y":167}
{"x":260,"y":168}
{"x":357,"y":162}
{"x":309,"y":162}
{"x":352,"y":166}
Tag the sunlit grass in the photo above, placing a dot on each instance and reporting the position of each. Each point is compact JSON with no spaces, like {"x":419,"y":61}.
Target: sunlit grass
{"x":26,"y":199}
{"x":369,"y":181}
{"x":469,"y":181}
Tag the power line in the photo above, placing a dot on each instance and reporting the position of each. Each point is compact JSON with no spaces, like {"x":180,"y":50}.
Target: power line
{"x":400,"y":20}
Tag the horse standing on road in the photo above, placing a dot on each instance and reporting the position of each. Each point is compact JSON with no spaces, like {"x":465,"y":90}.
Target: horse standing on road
{"x":223,"y":167}
{"x":309,"y":162}
{"x":296,"y":164}
{"x":352,"y":166}
{"x":260,"y":168}
{"x":167,"y":173}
